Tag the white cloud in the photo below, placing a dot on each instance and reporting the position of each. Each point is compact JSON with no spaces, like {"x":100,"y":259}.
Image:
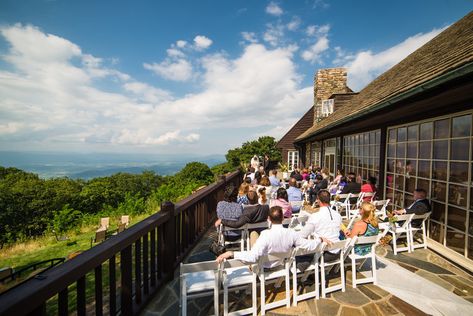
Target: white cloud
{"x":181,"y":70}
{"x":173,"y":52}
{"x":313,"y":53}
{"x":274,"y":9}
{"x":202,"y":42}
{"x":274,"y":34}
{"x":181,"y":43}
{"x":366,"y":65}
{"x":142,"y":137}
{"x":48,"y":103}
{"x":249,"y":37}
{"x":317,"y":30}
{"x":294,"y":24}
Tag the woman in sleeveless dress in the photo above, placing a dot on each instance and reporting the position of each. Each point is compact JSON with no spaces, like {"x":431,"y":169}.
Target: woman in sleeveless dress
{"x":366,"y":226}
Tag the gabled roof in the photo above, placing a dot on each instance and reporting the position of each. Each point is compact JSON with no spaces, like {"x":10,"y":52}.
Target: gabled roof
{"x":448,"y":51}
{"x":306,"y":121}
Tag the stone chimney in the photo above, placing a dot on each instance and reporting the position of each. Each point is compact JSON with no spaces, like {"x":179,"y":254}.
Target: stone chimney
{"x":327,"y":82}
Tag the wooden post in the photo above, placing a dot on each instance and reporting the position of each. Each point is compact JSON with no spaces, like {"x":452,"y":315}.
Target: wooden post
{"x":169,"y":239}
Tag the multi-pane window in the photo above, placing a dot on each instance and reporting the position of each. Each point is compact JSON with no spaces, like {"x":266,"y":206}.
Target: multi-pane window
{"x":315,"y":154}
{"x":293,"y":159}
{"x":436,"y":155}
{"x":361,"y":154}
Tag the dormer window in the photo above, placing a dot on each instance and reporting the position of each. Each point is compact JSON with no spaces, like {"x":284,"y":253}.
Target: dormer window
{"x":327,"y":107}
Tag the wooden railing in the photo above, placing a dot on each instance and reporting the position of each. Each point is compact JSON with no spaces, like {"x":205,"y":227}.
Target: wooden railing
{"x":120,"y":275}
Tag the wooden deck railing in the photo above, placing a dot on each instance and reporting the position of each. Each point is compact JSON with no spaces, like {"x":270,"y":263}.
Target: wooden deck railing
{"x":124,"y":271}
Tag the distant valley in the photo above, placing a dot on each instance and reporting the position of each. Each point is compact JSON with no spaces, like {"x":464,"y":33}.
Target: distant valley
{"x":91,"y":165}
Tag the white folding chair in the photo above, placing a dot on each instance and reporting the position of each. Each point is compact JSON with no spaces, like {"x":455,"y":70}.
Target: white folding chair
{"x":361,"y":240}
{"x":237,"y":275}
{"x":274,"y":275}
{"x":313,"y":268}
{"x":343,"y":204}
{"x":340,"y":245}
{"x":422,"y":228}
{"x":398,"y":230}
{"x":368,"y":197}
{"x":198,"y":280}
{"x":359,"y":200}
{"x":221,"y":236}
{"x":253,"y":226}
{"x":381,"y":207}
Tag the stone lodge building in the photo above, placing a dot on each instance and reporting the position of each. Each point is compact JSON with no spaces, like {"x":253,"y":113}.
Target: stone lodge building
{"x":410,"y":127}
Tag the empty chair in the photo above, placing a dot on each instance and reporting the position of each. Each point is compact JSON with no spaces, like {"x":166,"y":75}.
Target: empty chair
{"x":342,"y":205}
{"x":400,"y":228}
{"x":327,"y":266}
{"x":198,"y":280}
{"x":104,"y":223}
{"x":125,"y":219}
{"x":273,"y":275}
{"x":238,"y":275}
{"x":381,"y":208}
{"x":363,"y":241}
{"x":419,"y":227}
{"x":312,"y":268}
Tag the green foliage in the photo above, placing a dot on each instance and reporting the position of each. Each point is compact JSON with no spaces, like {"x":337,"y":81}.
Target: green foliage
{"x":222,"y":169}
{"x":261,"y":146}
{"x":66,"y":219}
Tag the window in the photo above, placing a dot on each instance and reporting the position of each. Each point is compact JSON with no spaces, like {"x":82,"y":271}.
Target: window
{"x":439,"y":154}
{"x":292,"y":159}
{"x":327,"y":107}
{"x":361,"y":153}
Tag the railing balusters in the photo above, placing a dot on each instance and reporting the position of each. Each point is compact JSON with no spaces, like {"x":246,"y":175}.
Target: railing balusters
{"x":152,"y":257}
{"x":81,"y":296}
{"x":126,"y":281}
{"x":168,"y":236}
{"x":113,"y":286}
{"x":138,"y":271}
{"x":63,"y":302}
{"x":98,"y":291}
{"x":145,"y":265}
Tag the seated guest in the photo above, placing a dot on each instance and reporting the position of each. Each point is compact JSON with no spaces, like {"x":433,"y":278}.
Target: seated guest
{"x":262,"y":199}
{"x":352,"y":186}
{"x":369,"y":187}
{"x":326,"y":222}
{"x":282,"y":201}
{"x":296,"y":174}
{"x":277,"y":239}
{"x":250,"y":174}
{"x":323,"y":178}
{"x":305,"y":174}
{"x":274,"y":179}
{"x":294,"y":194}
{"x":242,"y":192}
{"x":366,"y":226}
{"x":420,"y":206}
{"x":257,"y":178}
{"x":265,"y":182}
{"x":230,"y":210}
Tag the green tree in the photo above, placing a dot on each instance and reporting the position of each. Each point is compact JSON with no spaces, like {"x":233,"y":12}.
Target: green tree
{"x":261,"y":146}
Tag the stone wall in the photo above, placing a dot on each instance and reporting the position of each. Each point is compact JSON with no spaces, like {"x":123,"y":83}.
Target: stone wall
{"x":327,"y":82}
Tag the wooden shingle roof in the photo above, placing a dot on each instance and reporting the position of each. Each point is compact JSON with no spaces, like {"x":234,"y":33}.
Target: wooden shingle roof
{"x":448,"y":51}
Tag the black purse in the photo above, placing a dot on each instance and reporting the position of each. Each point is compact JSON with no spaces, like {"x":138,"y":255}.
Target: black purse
{"x":216,"y":248}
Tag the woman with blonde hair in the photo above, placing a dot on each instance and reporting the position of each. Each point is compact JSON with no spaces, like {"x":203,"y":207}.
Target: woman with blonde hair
{"x":366,"y":226}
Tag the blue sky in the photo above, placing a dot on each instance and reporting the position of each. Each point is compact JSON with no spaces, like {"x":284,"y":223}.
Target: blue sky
{"x":188,"y":76}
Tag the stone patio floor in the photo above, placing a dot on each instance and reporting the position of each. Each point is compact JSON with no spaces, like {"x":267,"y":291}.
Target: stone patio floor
{"x":365,"y":300}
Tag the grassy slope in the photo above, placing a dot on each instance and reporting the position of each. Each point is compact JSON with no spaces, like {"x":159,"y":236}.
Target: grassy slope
{"x":43,"y":248}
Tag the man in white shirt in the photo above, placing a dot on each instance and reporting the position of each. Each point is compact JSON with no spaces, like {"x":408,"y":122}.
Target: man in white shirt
{"x":277,"y":239}
{"x":325,"y":223}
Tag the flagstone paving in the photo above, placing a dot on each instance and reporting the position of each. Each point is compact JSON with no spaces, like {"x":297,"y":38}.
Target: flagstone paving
{"x":365,"y":300}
